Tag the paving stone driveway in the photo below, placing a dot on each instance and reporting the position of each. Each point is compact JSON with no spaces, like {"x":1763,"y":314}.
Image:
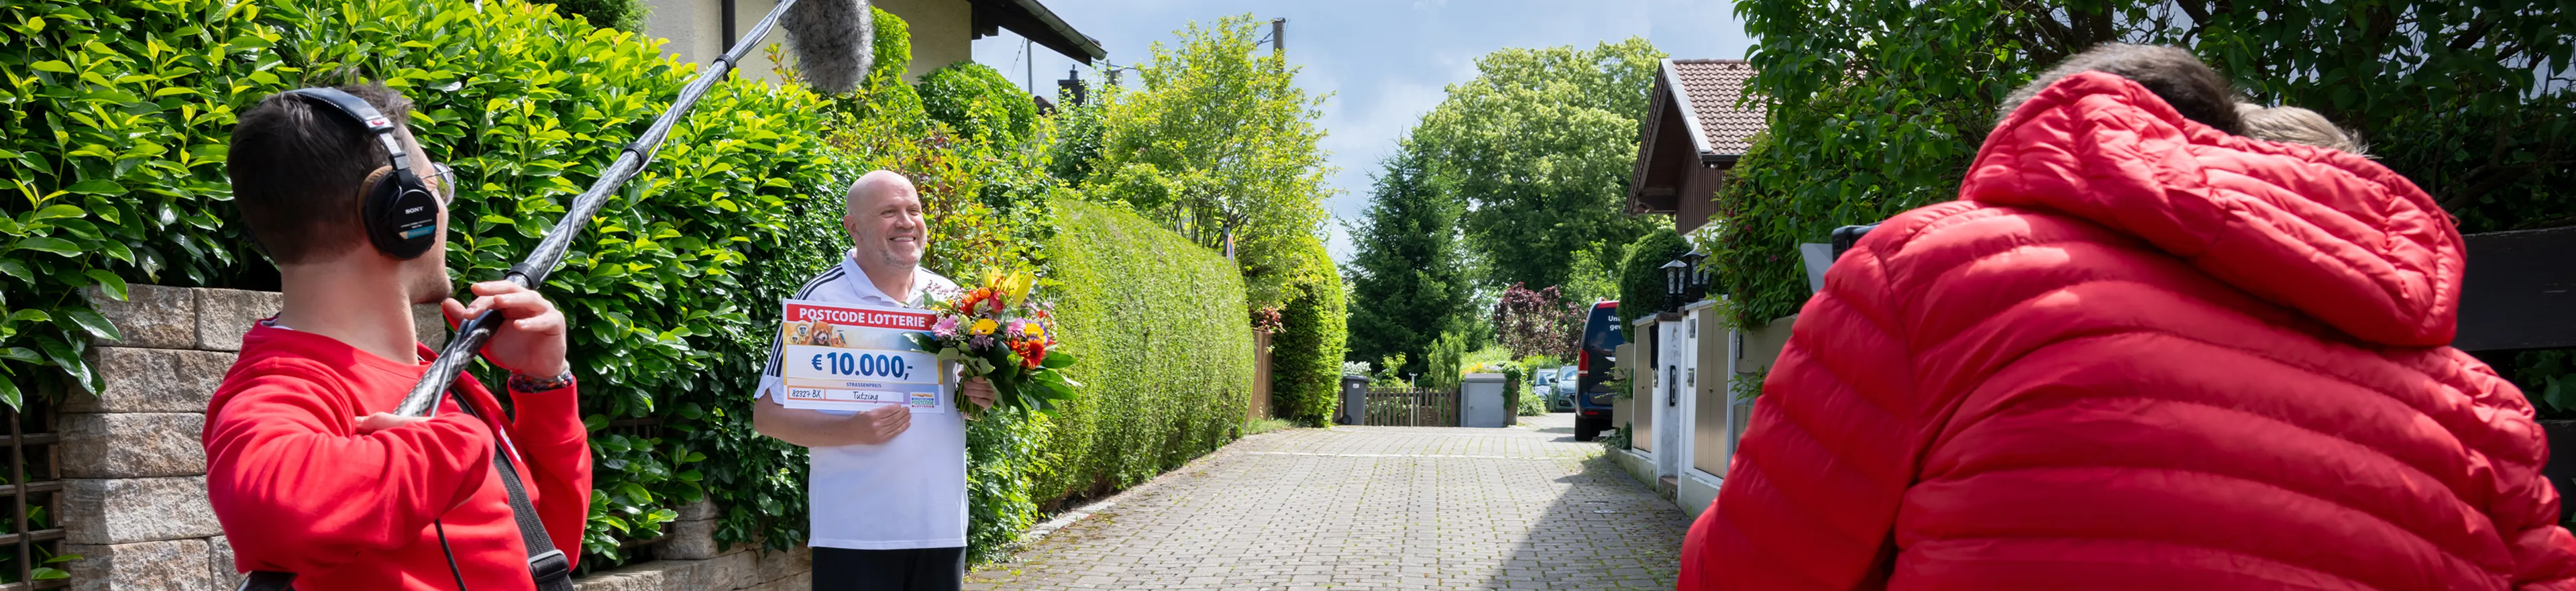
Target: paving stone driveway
{"x":1371,"y":508}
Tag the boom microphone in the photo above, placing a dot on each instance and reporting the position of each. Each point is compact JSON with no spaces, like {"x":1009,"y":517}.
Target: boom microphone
{"x":834,"y":43}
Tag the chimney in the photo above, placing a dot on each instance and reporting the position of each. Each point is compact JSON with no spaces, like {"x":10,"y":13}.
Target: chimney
{"x":1071,"y":86}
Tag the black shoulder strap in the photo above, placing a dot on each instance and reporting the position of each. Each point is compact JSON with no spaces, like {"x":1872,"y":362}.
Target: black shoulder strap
{"x":552,"y":571}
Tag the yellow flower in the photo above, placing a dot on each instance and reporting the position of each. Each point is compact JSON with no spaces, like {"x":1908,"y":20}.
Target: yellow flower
{"x":1032,"y":329}
{"x":1016,"y":286}
{"x":984,"y":326}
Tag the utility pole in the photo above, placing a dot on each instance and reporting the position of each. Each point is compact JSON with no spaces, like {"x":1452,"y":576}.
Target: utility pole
{"x":1279,"y":35}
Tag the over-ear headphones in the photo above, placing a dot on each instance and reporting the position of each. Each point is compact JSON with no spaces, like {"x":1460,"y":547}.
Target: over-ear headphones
{"x":399,"y":212}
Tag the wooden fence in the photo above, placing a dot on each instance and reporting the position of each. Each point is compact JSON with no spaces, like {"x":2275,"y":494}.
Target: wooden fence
{"x":1407,"y":406}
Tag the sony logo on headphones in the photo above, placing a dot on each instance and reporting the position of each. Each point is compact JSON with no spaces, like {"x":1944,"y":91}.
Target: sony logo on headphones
{"x":414,"y":210}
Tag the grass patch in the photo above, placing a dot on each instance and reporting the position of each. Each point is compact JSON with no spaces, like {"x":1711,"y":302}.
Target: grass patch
{"x":1251,"y":428}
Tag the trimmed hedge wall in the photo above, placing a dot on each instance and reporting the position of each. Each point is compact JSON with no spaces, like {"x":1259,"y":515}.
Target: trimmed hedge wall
{"x":1166,"y":354}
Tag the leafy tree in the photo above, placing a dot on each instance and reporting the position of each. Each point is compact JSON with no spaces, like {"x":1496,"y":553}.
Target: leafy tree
{"x":1076,"y":143}
{"x":1221,"y":144}
{"x":1542,"y":142}
{"x":1408,"y":282}
{"x":1594,"y":276}
{"x":1536,"y":323}
{"x":978,"y":102}
{"x":623,"y":15}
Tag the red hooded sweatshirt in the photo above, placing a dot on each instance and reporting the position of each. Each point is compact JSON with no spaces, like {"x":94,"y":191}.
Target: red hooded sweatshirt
{"x":298,"y":490}
{"x":2139,"y":353}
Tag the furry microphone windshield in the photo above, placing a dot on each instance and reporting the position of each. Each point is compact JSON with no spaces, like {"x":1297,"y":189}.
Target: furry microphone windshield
{"x":833,"y":40}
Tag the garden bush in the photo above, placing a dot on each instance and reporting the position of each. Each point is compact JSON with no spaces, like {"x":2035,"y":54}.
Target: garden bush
{"x":950,"y":95}
{"x":1641,"y":276}
{"x":120,"y":112}
{"x":1306,"y":354}
{"x":1166,"y":355}
{"x":623,"y":15}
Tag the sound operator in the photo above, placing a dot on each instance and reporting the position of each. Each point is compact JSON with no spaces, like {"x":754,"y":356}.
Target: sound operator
{"x":305,"y":467}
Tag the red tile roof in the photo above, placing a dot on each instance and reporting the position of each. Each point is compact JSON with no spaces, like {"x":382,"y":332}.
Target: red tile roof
{"x":1712,"y":86}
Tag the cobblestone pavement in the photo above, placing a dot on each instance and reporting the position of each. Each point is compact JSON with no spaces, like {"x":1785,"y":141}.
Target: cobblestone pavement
{"x":1371,"y":508}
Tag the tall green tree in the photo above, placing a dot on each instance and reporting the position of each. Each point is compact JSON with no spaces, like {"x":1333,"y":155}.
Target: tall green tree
{"x":1220,"y":143}
{"x":1409,"y":284}
{"x":1542,"y":143}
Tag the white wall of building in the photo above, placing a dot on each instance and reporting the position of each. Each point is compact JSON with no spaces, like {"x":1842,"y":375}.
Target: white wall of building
{"x":941,"y":32}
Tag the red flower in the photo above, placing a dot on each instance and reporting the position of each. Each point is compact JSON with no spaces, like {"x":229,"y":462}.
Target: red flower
{"x":1031,"y":353}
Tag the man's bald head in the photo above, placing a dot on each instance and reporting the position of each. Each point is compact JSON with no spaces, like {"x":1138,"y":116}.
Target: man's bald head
{"x":883,"y":215}
{"x":878,"y":184}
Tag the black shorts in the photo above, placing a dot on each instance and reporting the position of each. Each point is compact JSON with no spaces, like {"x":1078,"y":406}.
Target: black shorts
{"x":917,"y":569}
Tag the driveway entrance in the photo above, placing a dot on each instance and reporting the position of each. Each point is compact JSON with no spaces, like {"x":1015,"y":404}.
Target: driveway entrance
{"x":1371,"y":508}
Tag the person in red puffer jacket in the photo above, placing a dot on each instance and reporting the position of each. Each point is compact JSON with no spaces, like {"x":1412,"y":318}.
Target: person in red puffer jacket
{"x":305,"y":467}
{"x":2139,"y":352}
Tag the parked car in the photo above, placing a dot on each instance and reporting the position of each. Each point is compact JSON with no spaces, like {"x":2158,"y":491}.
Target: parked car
{"x":1561,"y":397}
{"x":1601,"y":337}
{"x":1542,"y":380}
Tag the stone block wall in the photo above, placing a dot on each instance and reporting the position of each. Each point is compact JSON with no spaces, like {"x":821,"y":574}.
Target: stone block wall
{"x":133,"y":502}
{"x":690,"y":561}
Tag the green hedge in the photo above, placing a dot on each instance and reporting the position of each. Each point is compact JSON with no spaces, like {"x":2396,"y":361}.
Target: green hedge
{"x":1167,"y":357}
{"x":526,"y":105}
{"x":1641,"y":276}
{"x":1306,"y":355}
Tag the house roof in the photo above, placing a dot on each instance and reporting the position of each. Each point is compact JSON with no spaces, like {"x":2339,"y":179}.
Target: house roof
{"x":1707,"y":90}
{"x":1035,"y":22}
{"x":1692,"y":125}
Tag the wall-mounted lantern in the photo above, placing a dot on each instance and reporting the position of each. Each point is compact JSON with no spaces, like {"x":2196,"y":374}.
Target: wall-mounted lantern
{"x":1698,"y":262}
{"x":1676,"y":282}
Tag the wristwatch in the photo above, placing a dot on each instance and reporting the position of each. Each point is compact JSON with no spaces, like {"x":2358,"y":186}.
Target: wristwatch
{"x":524,"y":383}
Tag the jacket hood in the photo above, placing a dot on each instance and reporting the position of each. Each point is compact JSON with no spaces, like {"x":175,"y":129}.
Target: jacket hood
{"x":2332,"y":235}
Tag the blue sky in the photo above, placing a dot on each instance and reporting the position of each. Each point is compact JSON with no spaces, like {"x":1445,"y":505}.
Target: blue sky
{"x":1383,"y":63}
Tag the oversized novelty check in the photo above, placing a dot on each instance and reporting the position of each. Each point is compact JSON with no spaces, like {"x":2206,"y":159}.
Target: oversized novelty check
{"x":852,"y":357}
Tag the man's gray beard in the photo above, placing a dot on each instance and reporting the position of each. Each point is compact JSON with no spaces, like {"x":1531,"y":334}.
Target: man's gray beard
{"x":890,"y":259}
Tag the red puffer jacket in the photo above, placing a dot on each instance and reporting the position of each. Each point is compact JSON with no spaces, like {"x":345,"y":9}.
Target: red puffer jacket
{"x":2139,"y":353}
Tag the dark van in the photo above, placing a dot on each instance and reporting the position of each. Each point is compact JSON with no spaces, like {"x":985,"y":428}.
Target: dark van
{"x":1601,"y":338}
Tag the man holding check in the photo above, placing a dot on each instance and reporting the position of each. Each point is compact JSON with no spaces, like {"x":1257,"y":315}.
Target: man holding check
{"x":887,"y":488}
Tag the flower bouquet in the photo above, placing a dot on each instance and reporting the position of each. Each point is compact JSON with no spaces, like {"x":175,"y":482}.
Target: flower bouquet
{"x":994,"y":331}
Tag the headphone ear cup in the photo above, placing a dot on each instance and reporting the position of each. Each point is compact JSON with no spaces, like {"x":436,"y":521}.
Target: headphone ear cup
{"x":400,"y":216}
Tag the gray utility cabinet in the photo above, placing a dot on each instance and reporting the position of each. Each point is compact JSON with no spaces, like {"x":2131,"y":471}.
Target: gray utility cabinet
{"x":1482,"y":403}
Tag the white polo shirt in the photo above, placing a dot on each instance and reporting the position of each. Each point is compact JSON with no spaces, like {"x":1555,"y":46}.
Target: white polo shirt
{"x":909,"y":492}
